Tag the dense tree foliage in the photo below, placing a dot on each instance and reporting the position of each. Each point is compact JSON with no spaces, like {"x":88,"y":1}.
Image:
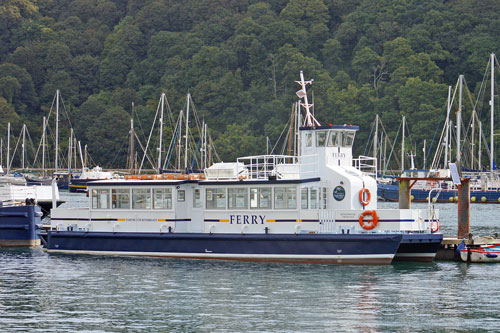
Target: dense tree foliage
{"x":239,"y":60}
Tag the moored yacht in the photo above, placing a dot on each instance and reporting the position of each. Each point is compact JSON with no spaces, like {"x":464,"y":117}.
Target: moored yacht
{"x":311,"y":208}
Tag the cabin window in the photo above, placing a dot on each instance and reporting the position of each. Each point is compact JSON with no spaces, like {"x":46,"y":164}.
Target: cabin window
{"x":260,"y":197}
{"x":285,"y":197}
{"x":216,"y":198}
{"x":237,"y":198}
{"x":309,"y":140}
{"x":181,"y":195}
{"x":314,"y":199}
{"x":304,"y":198}
{"x":332,"y":139}
{"x":323,"y":198}
{"x":162,"y":198}
{"x":141,"y":198}
{"x":120,"y":198}
{"x":348,"y":139}
{"x":320,"y":139}
{"x":196,"y":198}
{"x":100,"y":199}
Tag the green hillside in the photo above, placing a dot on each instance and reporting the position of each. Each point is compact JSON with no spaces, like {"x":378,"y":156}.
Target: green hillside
{"x":239,"y":60}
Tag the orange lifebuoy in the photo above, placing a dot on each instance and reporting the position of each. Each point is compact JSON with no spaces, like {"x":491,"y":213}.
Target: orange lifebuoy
{"x":369,"y":224}
{"x":362,"y":199}
{"x":434,"y":226}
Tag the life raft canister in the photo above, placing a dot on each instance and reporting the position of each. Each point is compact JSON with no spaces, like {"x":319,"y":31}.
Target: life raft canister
{"x":368,"y":224}
{"x":365,"y":196}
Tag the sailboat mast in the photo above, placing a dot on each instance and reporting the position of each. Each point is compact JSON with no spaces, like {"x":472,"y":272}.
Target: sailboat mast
{"x":472,"y":139}
{"x":459,"y":117}
{"x":187,"y":133}
{"x":161,"y":130}
{"x":70,"y":150}
{"x":23,"y":150}
{"x":179,"y":142}
{"x":57,"y":130}
{"x":447,"y":128}
{"x":43,"y":144}
{"x":403,"y":146}
{"x":375,"y":141}
{"x":8,"y":148}
{"x":492,"y":104}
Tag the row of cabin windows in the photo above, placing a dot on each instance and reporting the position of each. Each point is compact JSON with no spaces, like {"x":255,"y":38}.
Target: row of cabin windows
{"x":215,"y":198}
{"x":331,"y":139}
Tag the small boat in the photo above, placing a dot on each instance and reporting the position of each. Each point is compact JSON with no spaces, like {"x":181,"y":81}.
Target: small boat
{"x":88,"y":175}
{"x":41,"y":195}
{"x":489,"y":253}
{"x":19,"y":224}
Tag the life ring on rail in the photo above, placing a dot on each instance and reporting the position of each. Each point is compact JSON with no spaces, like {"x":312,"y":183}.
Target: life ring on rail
{"x":432,"y":183}
{"x":362,"y":199}
{"x":434,"y":226}
{"x":368,"y":224}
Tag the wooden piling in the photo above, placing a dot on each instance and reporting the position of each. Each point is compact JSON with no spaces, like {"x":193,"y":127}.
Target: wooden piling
{"x":464,"y":208}
{"x":404,"y":194}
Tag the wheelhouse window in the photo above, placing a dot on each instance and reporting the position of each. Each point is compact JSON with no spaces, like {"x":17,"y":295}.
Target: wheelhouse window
{"x":309,"y":140}
{"x":260,"y":197}
{"x":141,"y":198}
{"x":314,"y":198}
{"x":100,"y":198}
{"x":320,"y":138}
{"x":348,"y":139}
{"x":285,"y":197}
{"x":162,"y":198}
{"x":332,"y":139}
{"x":216,"y":198}
{"x":304,"y":198}
{"x":197,"y":198}
{"x":120,"y":198}
{"x":237,"y":198}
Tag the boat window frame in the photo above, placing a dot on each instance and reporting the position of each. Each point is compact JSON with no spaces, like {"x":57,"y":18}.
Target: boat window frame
{"x":197,"y":203}
{"x":288,"y":193}
{"x":233,"y":198}
{"x":348,"y":135}
{"x":304,"y":202}
{"x":329,"y":142}
{"x":214,"y":191}
{"x":313,"y":202}
{"x":309,"y":139}
{"x":166,"y":192}
{"x":96,"y":195}
{"x":115,"y":197}
{"x":259,"y":192}
{"x":321,"y":135}
{"x":146,"y":190}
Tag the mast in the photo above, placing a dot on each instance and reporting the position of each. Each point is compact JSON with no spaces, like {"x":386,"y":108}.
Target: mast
{"x":403,"y":146}
{"x":375,"y":140}
{"x":479,"y":149}
{"x":132,"y":141}
{"x":459,"y":117}
{"x":179,"y":142}
{"x":447,"y":127}
{"x":161,"y":130}
{"x":70,"y":150}
{"x":1,"y":151}
{"x":43,"y":144}
{"x":472,"y":145}
{"x":492,"y":104}
{"x":57,"y":129}
{"x":310,"y":121}
{"x":8,"y":148}
{"x":187,"y":133}
{"x":23,"y":150}
{"x":425,"y":141}
{"x":81,"y":155}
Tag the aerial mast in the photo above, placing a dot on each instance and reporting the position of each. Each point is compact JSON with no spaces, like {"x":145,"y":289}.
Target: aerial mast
{"x":492,"y":104}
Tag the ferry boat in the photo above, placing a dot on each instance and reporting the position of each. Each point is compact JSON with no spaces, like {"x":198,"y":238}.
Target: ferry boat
{"x":19,"y":224}
{"x":311,"y":208}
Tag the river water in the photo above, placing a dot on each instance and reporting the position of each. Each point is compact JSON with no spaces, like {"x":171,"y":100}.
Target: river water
{"x":63,"y":293}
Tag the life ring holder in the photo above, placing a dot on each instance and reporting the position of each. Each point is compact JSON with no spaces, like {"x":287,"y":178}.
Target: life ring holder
{"x":362,"y":199}
{"x":368,"y":225}
{"x":434,"y":226}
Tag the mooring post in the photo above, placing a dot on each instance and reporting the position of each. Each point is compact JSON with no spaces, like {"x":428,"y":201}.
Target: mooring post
{"x":404,"y":194}
{"x":464,"y":208}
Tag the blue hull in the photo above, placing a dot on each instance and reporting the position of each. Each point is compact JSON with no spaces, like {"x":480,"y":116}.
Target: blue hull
{"x":302,"y":248}
{"x":420,"y":247}
{"x":391,"y":193}
{"x":18,"y":225}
